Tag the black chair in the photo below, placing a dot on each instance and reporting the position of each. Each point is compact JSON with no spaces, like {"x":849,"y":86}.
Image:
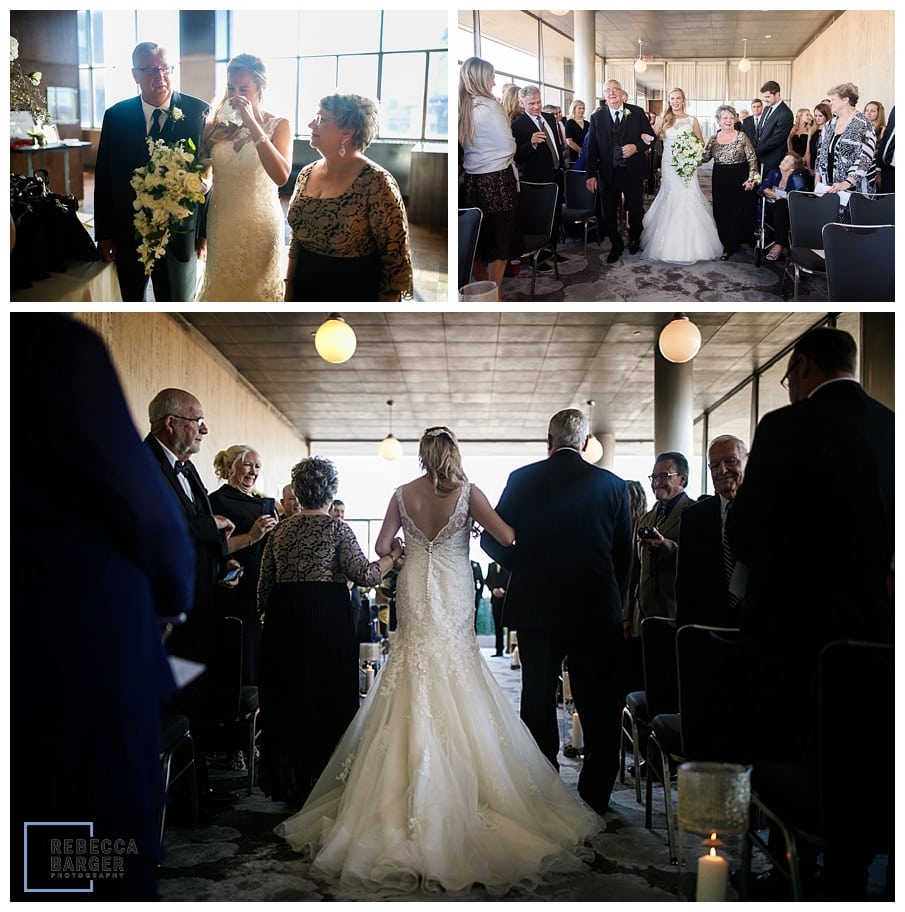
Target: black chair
{"x":232,"y":713}
{"x":808,"y":213}
{"x":860,"y":262}
{"x":634,"y":715}
{"x":176,"y":744}
{"x":469,"y":229}
{"x":811,"y":802}
{"x":537,"y":214}
{"x":878,"y":209}
{"x":580,"y":205}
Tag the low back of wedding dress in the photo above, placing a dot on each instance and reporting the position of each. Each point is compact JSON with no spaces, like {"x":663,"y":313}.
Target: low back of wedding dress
{"x":437,"y":784}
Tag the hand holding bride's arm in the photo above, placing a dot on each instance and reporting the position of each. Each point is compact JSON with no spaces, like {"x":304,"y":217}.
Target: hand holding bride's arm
{"x":386,"y":539}
{"x":487,"y":517}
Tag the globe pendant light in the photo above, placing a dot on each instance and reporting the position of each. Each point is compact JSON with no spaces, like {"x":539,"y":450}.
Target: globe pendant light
{"x":680,"y":340}
{"x":744,"y":64}
{"x":335,"y":340}
{"x":390,"y":447}
{"x":640,"y":65}
{"x":593,"y":452}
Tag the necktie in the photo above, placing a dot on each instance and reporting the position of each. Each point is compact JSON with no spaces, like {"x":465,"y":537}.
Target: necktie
{"x":728,"y":558}
{"x":156,"y":119}
{"x":618,"y":118}
{"x":551,"y":142}
{"x":763,"y":120}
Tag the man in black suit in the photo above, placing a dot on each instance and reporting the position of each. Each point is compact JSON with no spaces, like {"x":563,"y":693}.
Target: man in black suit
{"x":538,"y":154}
{"x":705,"y":562}
{"x":158,"y":112}
{"x":886,"y":156}
{"x":748,"y":125}
{"x":620,"y":135}
{"x":773,"y":127}
{"x":497,"y":582}
{"x":572,"y":522}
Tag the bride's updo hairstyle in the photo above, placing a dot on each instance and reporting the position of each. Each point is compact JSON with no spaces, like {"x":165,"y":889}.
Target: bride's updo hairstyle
{"x":438,"y":453}
{"x":355,"y":113}
{"x":669,"y":118}
{"x":248,"y":63}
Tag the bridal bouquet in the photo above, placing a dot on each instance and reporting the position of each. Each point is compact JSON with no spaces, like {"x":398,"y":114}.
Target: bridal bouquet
{"x":687,"y":155}
{"x":167,"y":191}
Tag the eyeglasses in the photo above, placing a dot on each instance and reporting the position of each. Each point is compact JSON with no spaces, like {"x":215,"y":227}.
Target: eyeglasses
{"x":662,"y":476}
{"x":784,"y":382}
{"x":196,"y":421}
{"x":160,"y":71}
{"x":320,"y":119}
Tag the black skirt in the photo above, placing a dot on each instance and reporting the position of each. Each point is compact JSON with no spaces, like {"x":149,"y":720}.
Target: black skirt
{"x":733,"y":207}
{"x":319,"y":277}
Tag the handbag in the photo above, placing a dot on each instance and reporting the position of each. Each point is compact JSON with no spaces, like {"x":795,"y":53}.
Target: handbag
{"x":48,"y":230}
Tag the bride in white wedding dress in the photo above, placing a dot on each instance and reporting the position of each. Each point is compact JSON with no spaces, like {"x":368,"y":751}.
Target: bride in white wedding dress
{"x":679,"y":226}
{"x":437,"y":784}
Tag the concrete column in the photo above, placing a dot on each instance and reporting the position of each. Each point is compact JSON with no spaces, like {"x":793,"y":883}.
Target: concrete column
{"x":673,"y":404}
{"x":608,"y":442}
{"x":877,"y":350}
{"x":584,"y":81}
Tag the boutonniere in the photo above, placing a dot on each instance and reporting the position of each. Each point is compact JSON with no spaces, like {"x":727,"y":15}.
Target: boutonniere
{"x":176,"y":114}
{"x":626,"y":112}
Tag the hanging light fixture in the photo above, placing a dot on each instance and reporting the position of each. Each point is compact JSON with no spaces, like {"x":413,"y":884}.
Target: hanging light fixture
{"x":680,"y":340}
{"x":390,"y":447}
{"x":560,"y":12}
{"x":335,"y":340}
{"x":593,"y":452}
{"x":744,"y":64}
{"x":640,"y":65}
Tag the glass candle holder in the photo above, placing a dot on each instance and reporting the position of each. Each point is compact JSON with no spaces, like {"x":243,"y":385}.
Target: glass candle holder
{"x":712,"y":815}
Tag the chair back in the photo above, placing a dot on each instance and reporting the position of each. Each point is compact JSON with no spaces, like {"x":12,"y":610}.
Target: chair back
{"x":658,"y":654}
{"x":469,"y":229}
{"x":879,"y":209}
{"x":860,"y":262}
{"x":856,"y":719}
{"x":808,"y":213}
{"x":537,"y":210}
{"x":713,"y":693}
{"x":576,"y":193}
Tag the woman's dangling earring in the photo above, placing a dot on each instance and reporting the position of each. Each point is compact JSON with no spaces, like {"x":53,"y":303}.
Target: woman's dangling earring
{"x":342,"y":148}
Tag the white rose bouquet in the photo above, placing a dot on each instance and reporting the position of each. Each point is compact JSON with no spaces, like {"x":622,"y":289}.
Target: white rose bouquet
{"x":167,"y":191}
{"x":687,"y":155}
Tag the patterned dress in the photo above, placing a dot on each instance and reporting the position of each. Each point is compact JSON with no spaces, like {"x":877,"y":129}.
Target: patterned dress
{"x":352,"y":247}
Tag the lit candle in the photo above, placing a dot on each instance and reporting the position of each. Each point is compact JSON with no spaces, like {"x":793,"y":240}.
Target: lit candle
{"x":713,"y":875}
{"x":577,"y":737}
{"x":566,"y":686}
{"x":369,"y":676}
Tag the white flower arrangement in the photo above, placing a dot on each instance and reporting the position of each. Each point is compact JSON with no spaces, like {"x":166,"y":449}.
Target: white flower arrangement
{"x":687,"y":155}
{"x":167,"y":191}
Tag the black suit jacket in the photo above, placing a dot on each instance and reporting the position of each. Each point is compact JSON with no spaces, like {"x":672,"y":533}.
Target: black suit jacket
{"x":571,"y":561}
{"x":887,"y":144}
{"x":123,"y":148}
{"x":702,"y":590}
{"x":193,"y":640}
{"x":748,"y":126}
{"x":772,"y":144}
{"x":535,"y":163}
{"x":497,"y":578}
{"x":600,"y":161}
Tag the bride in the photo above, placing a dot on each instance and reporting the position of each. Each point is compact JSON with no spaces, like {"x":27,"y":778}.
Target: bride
{"x":250,"y":152}
{"x":437,"y":783}
{"x":679,"y":226}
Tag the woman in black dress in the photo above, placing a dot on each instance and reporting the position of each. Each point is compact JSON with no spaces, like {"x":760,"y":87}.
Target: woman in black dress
{"x":734,"y":167}
{"x":309,"y":652}
{"x":576,"y":128}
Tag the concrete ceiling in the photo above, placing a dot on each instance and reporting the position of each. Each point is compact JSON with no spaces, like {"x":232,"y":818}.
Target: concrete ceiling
{"x":489,"y":376}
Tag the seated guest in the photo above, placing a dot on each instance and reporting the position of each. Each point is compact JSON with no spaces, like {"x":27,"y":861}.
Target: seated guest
{"x":775,"y":188}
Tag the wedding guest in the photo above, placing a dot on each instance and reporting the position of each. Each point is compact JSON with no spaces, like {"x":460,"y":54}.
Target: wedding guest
{"x":734,"y":169}
{"x":876,"y":114}
{"x":289,"y":502}
{"x":576,"y":128}
{"x":510,"y":102}
{"x":846,"y":158}
{"x":158,"y":112}
{"x":778,"y":183}
{"x":886,"y":157}
{"x":350,"y":237}
{"x":773,"y":126}
{"x":490,"y":182}
{"x":251,"y":153}
{"x":309,"y":648}
{"x":822,"y":116}
{"x":800,"y":134}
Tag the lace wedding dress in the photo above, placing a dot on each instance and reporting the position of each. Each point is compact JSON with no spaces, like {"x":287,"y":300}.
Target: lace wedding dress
{"x":679,"y":226}
{"x":437,"y":783}
{"x":245,"y":223}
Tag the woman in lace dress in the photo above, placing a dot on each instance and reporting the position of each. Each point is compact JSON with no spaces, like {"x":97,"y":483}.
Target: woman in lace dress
{"x":350,"y":239}
{"x":309,"y":646}
{"x":250,"y":151}
{"x":679,"y":226}
{"x":437,"y":783}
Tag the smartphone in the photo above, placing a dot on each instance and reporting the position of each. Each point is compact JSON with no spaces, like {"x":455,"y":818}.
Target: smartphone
{"x":270,"y":506}
{"x":235,"y":573}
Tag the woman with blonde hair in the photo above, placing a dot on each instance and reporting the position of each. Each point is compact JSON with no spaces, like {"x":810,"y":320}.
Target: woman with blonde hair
{"x":510,"y":102}
{"x":437,"y":784}
{"x":576,"y":126}
{"x":490,"y":185}
{"x":799,"y":138}
{"x":876,"y":114}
